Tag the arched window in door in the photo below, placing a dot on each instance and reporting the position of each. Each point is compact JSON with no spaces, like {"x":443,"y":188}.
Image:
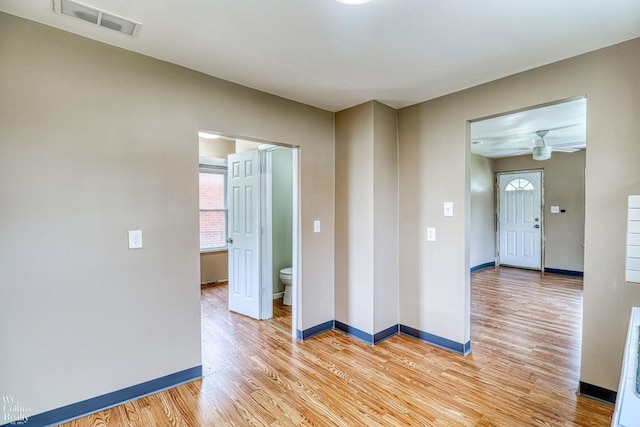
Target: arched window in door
{"x":519,"y":184}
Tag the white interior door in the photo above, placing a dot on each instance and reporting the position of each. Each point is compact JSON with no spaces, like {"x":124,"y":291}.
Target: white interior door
{"x":243,"y":204}
{"x":520,"y":219}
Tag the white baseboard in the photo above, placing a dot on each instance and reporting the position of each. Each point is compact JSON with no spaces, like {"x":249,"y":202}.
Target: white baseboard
{"x":278,"y":295}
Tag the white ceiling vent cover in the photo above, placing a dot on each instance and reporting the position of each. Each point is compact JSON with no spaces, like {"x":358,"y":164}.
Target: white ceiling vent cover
{"x":97,"y":16}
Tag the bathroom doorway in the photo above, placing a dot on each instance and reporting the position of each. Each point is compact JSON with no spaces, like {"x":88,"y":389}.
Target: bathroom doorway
{"x":271,"y":240}
{"x":278,"y":242}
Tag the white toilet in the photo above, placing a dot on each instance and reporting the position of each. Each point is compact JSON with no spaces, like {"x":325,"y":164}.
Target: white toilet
{"x":285,"y":277}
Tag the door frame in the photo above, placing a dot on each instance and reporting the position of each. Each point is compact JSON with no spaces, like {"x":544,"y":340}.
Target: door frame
{"x":266,"y":289}
{"x":266,"y":310}
{"x":266,"y":224}
{"x":497,"y":213}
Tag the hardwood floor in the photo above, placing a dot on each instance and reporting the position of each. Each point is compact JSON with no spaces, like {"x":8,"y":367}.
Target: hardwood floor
{"x":523,"y":370}
{"x":281,"y":316}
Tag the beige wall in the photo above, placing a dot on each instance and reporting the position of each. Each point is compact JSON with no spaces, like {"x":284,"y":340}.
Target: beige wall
{"x":366,"y":217}
{"x":244,"y":145}
{"x":482,"y":238}
{"x":354,"y":217}
{"x":214,"y":266}
{"x":385,"y":220}
{"x":563,"y":177}
{"x":217,"y":148}
{"x":96,"y":141}
{"x":434,"y":167}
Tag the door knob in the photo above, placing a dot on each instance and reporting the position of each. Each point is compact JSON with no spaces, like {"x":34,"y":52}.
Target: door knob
{"x":537,"y":226}
{"x":229,"y":240}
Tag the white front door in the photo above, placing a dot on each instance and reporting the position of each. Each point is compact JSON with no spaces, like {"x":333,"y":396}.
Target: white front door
{"x":243,"y":204}
{"x":520,"y":219}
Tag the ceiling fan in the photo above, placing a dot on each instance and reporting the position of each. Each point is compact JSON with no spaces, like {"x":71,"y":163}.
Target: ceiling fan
{"x":519,"y":143}
{"x":542,"y":152}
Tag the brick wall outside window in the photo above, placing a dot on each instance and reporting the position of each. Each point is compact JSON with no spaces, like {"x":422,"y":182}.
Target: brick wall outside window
{"x":212,"y":210}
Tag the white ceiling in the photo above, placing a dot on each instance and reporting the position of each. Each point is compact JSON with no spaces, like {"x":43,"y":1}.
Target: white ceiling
{"x":333,"y":56}
{"x":515,"y":134}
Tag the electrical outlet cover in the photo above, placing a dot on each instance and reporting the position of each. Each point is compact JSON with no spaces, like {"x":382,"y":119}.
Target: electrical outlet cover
{"x":431,"y":234}
{"x":135,"y":239}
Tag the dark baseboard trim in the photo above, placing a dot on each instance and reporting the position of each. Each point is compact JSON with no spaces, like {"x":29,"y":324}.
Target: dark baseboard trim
{"x":315,"y":330}
{"x":366,"y":337}
{"x":99,"y":403}
{"x":564,"y":272}
{"x":444,"y":343}
{"x":597,"y":393}
{"x":354,"y":332}
{"x":387,"y":333}
{"x":482,"y":266}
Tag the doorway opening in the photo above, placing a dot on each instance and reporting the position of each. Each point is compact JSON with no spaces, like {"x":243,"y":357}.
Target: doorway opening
{"x":550,"y":139}
{"x":261,"y":226}
{"x":517,"y":189}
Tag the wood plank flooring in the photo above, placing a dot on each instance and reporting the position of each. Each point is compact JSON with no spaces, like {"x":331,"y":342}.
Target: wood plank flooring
{"x":281,"y":316}
{"x":523,"y":369}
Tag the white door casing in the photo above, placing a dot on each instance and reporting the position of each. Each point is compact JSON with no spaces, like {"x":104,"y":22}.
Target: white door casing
{"x":520,"y":219}
{"x":243,"y":204}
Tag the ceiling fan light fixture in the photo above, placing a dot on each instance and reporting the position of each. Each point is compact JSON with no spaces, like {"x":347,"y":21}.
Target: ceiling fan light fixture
{"x":542,"y":153}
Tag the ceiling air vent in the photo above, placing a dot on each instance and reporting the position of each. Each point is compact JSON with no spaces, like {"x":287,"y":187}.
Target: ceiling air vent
{"x":97,"y":16}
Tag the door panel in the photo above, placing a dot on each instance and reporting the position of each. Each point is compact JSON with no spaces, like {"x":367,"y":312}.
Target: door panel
{"x":244,"y":237}
{"x":510,"y":243}
{"x":529,"y":248}
{"x":520,"y":219}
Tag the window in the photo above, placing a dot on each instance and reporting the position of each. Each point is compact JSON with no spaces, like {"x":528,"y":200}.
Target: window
{"x":213,"y":208}
{"x":519,"y":184}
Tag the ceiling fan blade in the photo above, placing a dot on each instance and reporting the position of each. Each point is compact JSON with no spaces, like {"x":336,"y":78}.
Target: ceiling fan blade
{"x":511,"y":148}
{"x":565,"y":150}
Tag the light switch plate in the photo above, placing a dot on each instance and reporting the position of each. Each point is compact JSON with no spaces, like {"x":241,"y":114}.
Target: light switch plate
{"x":135,"y":239}
{"x":431,"y":234}
{"x":448,"y":208}
{"x":316,"y":226}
